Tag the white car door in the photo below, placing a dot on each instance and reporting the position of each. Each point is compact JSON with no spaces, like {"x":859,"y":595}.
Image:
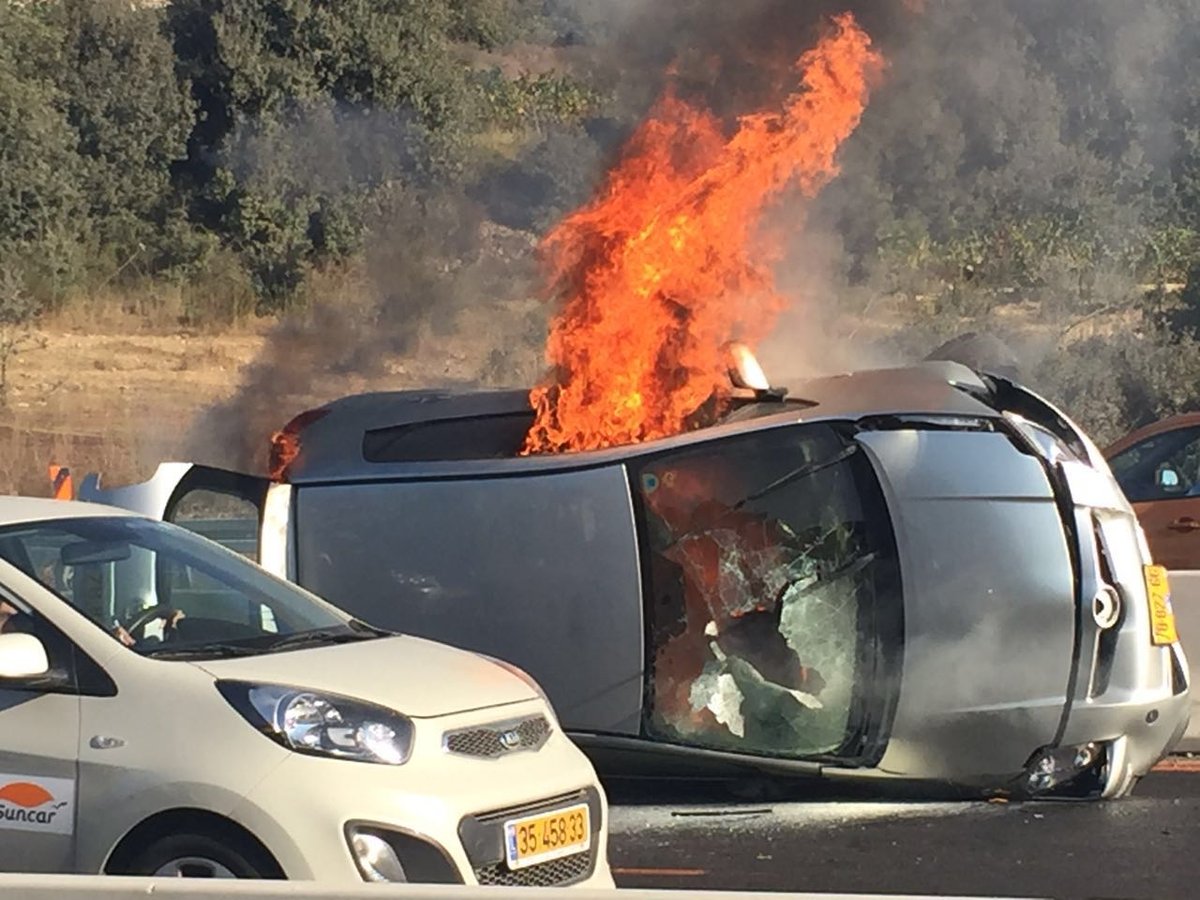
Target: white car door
{"x":39,"y":747}
{"x":223,"y":506}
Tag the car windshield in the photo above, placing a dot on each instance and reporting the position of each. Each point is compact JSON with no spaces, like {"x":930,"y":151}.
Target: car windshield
{"x":773,"y":594}
{"x":166,"y":592}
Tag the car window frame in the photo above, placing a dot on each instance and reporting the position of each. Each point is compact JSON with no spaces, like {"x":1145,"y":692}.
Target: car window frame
{"x":251,"y":489}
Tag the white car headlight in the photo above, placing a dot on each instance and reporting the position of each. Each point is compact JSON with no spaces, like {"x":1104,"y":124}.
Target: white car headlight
{"x":323,"y":724}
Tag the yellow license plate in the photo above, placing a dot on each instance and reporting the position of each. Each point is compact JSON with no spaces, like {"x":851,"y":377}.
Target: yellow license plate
{"x":1162,"y":616}
{"x":536,"y":839}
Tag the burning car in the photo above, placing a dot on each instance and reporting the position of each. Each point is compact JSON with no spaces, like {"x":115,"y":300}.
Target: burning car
{"x":924,"y":578}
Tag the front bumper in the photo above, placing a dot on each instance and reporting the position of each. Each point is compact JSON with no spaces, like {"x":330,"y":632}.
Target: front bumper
{"x":1128,"y":691}
{"x":442,"y":812}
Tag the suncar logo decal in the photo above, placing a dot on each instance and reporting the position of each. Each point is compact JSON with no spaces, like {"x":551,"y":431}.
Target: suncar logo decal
{"x":43,"y":805}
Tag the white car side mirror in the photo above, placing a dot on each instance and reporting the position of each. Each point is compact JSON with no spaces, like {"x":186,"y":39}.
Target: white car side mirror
{"x":22,"y":656}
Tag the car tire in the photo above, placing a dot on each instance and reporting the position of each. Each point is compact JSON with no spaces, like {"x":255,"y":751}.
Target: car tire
{"x":199,"y":856}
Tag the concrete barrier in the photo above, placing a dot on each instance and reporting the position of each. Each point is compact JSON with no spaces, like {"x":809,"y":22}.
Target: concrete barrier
{"x":1185,"y":599}
{"x":88,"y":887}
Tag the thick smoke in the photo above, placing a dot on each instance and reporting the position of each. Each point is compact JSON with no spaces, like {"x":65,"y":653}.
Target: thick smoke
{"x":1036,"y":140}
{"x":430,"y":260}
{"x":988,"y":115}
{"x":1058,"y":122}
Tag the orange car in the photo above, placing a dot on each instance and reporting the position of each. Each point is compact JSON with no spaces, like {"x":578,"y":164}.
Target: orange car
{"x":1158,"y":468}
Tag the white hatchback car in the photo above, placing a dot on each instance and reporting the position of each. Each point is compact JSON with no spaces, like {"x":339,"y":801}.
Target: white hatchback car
{"x":169,"y":708}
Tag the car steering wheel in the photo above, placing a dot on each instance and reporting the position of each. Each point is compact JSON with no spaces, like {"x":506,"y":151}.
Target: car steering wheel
{"x":144,"y":618}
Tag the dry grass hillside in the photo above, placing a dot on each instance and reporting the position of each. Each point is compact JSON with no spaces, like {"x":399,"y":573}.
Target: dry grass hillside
{"x":118,"y":392}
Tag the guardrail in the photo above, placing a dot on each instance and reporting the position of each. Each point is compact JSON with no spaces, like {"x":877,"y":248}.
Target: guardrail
{"x":107,"y":887}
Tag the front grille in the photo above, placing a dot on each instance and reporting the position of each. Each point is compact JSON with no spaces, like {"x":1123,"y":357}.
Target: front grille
{"x":555,"y":873}
{"x":482,"y":838}
{"x":490,"y":741}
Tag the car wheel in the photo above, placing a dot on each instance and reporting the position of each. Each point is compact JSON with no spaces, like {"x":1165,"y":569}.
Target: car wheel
{"x":197,"y":856}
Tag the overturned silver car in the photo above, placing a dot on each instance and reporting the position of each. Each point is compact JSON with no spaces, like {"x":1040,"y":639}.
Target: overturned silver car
{"x":922,"y":577}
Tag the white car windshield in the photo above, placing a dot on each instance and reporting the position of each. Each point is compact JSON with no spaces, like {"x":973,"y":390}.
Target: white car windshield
{"x":166,"y":592}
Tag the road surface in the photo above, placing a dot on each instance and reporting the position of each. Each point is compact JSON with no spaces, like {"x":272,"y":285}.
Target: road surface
{"x":1147,"y":846}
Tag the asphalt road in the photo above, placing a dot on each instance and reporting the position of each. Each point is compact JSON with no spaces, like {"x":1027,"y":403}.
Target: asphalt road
{"x":1147,"y":846}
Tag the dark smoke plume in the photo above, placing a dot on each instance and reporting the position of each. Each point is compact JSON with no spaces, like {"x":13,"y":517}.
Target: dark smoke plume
{"x":1069,"y":115}
{"x":425,"y":264}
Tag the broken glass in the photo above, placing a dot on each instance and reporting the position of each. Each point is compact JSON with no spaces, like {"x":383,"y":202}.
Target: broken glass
{"x":757,"y":592}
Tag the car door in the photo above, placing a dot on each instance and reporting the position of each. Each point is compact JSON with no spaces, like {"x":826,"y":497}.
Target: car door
{"x":223,"y":506}
{"x":1161,"y":478}
{"x":39,"y":741}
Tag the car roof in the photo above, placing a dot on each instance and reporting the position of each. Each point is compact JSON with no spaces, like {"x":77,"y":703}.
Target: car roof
{"x":1162,"y":426}
{"x":17,"y":510}
{"x":372,"y":435}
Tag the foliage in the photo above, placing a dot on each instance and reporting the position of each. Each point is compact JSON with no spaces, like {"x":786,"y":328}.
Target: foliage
{"x":1115,"y":383}
{"x":553,"y":176}
{"x":42,"y":202}
{"x":18,"y":311}
{"x":142,"y":141}
{"x":537,"y":101}
{"x":131,"y":119}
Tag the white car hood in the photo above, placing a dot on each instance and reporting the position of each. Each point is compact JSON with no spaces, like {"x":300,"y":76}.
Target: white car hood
{"x":410,"y":675}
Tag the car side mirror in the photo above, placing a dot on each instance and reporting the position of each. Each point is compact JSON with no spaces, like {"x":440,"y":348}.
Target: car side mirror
{"x":22,"y":656}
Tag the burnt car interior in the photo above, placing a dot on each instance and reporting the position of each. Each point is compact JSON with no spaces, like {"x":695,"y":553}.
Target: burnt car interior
{"x":774,"y":617}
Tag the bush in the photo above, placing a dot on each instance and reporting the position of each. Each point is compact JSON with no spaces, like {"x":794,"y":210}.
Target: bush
{"x":1122,"y":381}
{"x":555,"y":175}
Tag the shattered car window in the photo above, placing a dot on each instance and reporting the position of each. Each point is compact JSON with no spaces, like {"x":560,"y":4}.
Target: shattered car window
{"x":769,"y":562}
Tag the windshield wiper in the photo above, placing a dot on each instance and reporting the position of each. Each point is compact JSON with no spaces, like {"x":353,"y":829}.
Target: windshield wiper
{"x":369,"y":630}
{"x":798,"y":473}
{"x":321,"y":636}
{"x":202,"y":651}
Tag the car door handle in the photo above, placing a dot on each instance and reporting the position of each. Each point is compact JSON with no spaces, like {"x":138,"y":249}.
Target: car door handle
{"x":1185,"y":523}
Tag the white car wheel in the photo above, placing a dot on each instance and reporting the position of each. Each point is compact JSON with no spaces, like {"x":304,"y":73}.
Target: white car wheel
{"x":193,"y":867}
{"x":203,"y":856}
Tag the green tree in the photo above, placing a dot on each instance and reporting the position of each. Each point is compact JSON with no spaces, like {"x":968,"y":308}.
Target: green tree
{"x":281,"y":87}
{"x":490,"y":23}
{"x":43,"y":214}
{"x":132,"y":118}
{"x":308,"y":108}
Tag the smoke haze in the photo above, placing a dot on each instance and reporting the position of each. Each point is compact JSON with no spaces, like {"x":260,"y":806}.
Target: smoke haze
{"x":989,"y":116}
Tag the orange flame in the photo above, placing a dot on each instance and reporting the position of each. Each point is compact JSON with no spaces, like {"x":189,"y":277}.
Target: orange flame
{"x":285,"y":444}
{"x":665,"y":266}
